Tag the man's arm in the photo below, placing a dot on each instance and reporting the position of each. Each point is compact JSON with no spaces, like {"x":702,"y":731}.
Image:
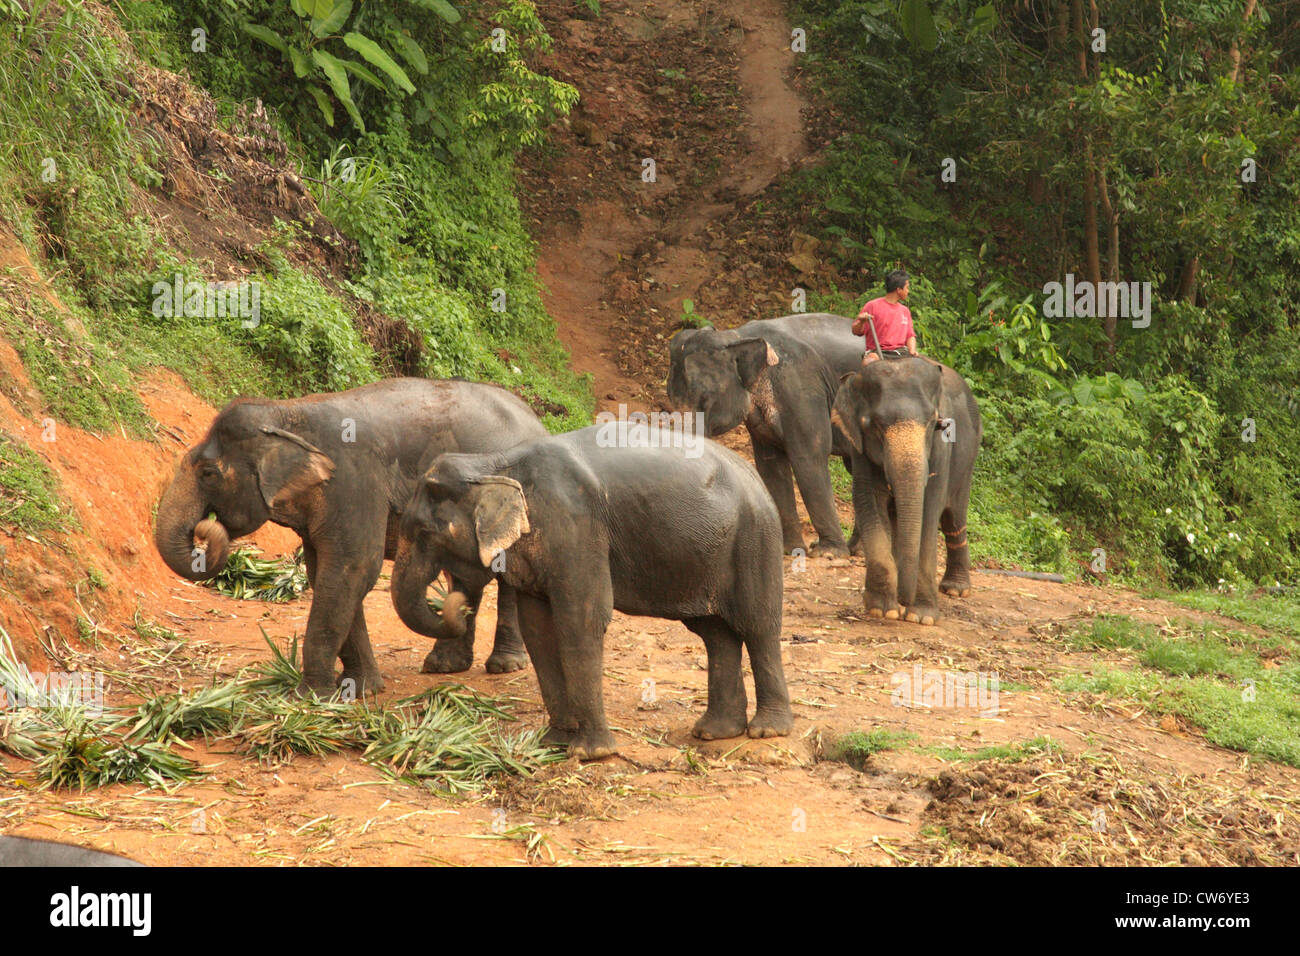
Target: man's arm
{"x":911,"y":344}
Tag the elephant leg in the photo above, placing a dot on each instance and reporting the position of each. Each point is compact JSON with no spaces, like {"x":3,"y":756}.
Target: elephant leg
{"x":336,"y":602}
{"x":774,"y":469}
{"x":956,"y":575}
{"x":451,"y":655}
{"x":773,"y":718}
{"x":357,"y":655}
{"x":725,"y":714}
{"x":581,"y":618}
{"x":309,"y":561}
{"x":871,"y":507}
{"x":508,"y":652}
{"x":814,"y":478}
{"x":537,"y":628}
{"x":359,"y":660}
{"x":855,"y":539}
{"x":925,"y":605}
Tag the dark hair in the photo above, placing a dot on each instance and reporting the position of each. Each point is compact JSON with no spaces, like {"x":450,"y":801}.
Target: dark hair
{"x":896,"y":280}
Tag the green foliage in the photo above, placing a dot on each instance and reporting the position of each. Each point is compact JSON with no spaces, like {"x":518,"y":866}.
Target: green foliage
{"x":428,"y":190}
{"x":855,"y":748}
{"x":365,"y":199}
{"x":690,"y":317}
{"x":29,"y":491}
{"x":312,"y":41}
{"x":1008,"y":753}
{"x":1279,"y":613}
{"x":449,"y":738}
{"x":81,"y":379}
{"x":250,"y":578}
{"x":1139,"y":449}
{"x":305,"y":332}
{"x":1224,"y":682}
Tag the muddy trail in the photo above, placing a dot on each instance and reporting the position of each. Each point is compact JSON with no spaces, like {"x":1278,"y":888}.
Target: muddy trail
{"x":711,"y":93}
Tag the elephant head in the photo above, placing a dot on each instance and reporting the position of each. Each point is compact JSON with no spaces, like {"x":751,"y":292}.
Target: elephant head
{"x":889,"y":412}
{"x":712,"y":372}
{"x":246,"y":470}
{"x":459,"y":518}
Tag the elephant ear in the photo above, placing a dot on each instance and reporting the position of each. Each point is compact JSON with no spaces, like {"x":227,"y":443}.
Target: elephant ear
{"x":500,"y":515}
{"x":844,"y":412}
{"x":753,"y":356}
{"x":289,"y":470}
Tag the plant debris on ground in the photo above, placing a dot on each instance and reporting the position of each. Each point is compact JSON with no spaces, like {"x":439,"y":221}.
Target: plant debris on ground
{"x":1090,"y":810}
{"x":448,"y":738}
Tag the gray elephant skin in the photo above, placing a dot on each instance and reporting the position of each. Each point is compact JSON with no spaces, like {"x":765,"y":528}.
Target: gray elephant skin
{"x":578,"y":529}
{"x":25,"y":851}
{"x":779,"y":377}
{"x":915,"y":430}
{"x":338,"y":469}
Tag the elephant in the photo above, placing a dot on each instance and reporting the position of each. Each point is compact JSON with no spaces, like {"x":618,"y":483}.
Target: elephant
{"x":779,"y":377}
{"x":338,"y":468}
{"x":27,"y":852}
{"x":915,"y":430}
{"x":584,"y":523}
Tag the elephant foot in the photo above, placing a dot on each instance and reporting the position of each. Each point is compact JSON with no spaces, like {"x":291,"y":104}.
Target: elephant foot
{"x":719,"y":726}
{"x":830,"y":549}
{"x":592,"y":745}
{"x":363,"y":682}
{"x":955,"y":587}
{"x":918,"y":614}
{"x":795,"y":546}
{"x":503,"y":662}
{"x":559,"y":737}
{"x":771,"y":722}
{"x":313,"y":689}
{"x":446,"y":658}
{"x":879,"y":606}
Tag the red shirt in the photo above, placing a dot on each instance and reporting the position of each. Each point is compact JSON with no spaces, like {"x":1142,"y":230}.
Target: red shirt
{"x":893,"y":322}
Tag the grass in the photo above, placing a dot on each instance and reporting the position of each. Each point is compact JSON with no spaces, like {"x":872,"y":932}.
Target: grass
{"x":856,"y":747}
{"x":841,"y":480}
{"x":1008,"y":753}
{"x":1274,"y":612}
{"x":1241,"y":690}
{"x":29,"y":491}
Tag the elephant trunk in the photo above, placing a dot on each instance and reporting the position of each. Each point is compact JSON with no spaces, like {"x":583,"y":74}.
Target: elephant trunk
{"x":194,"y":548}
{"x":906,"y":468}
{"x":409,"y":587}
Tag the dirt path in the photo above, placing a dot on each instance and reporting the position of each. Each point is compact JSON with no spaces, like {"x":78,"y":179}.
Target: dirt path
{"x":609,"y":214}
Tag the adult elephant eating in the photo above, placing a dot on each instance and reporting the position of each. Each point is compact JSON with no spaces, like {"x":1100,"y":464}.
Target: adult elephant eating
{"x":338,"y":469}
{"x":915,"y":430}
{"x":779,"y":377}
{"x":583,"y":523}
